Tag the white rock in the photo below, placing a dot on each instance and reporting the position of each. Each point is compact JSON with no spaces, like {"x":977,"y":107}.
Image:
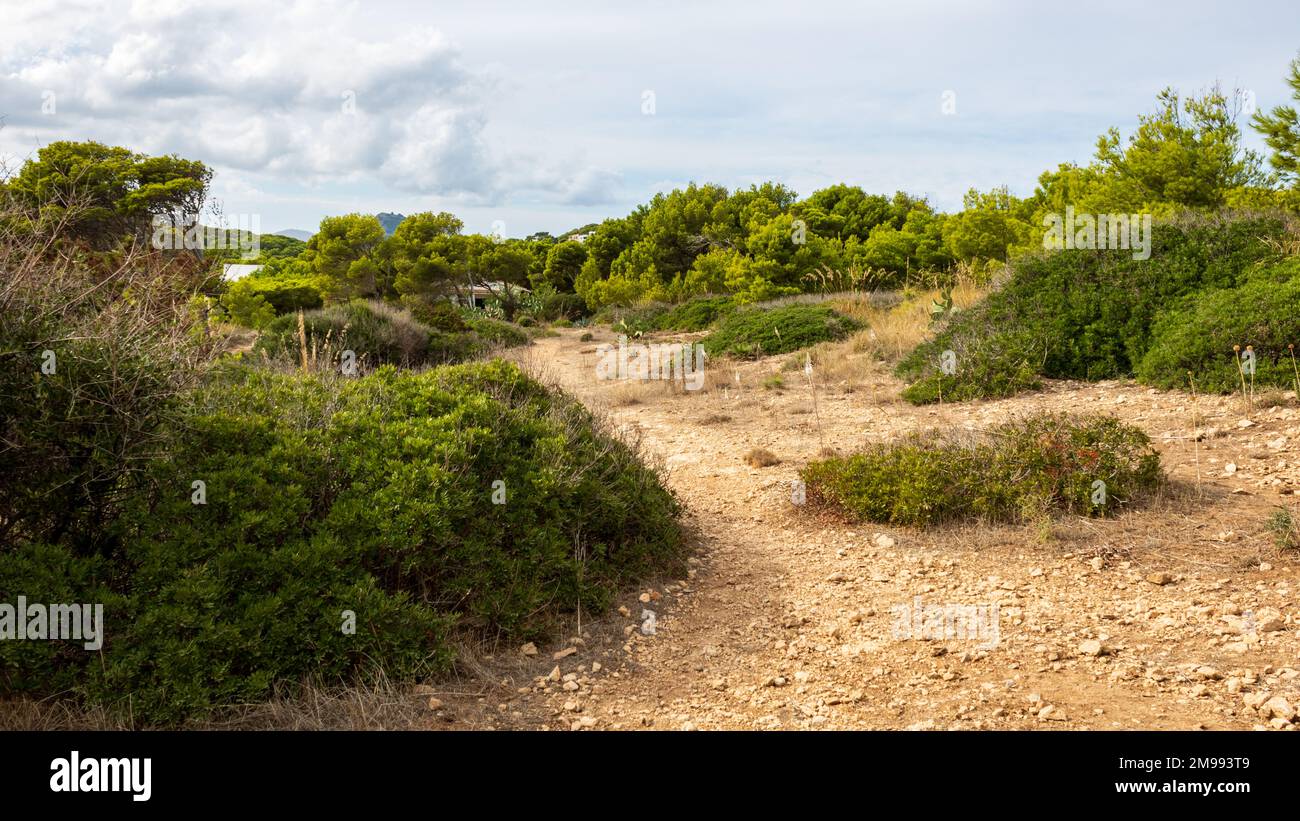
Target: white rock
{"x":1278,"y":707}
{"x":1092,"y":647}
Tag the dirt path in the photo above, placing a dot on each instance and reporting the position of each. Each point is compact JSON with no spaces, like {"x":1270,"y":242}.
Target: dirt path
{"x":792,"y":622}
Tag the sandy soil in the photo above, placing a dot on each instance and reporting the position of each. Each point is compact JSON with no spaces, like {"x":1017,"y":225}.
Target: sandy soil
{"x":1177,"y":615}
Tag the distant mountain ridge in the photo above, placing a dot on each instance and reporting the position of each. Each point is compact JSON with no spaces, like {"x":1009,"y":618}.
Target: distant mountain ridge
{"x":390,"y":221}
{"x":295,"y":233}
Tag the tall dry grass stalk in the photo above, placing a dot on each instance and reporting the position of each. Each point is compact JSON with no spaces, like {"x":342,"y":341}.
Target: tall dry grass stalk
{"x":302,"y":339}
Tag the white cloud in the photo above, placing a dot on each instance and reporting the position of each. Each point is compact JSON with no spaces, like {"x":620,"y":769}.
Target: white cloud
{"x":292,"y":92}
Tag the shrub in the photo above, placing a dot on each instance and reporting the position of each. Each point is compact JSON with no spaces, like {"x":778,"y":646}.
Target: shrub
{"x":248,"y":309}
{"x":760,"y":332}
{"x":566,"y":306}
{"x":499,"y":334}
{"x":439,"y":314}
{"x":1264,"y":313}
{"x":377,"y":333}
{"x":89,"y":379}
{"x":285,"y":297}
{"x":995,"y":367}
{"x":373,"y":495}
{"x":1285,"y":529}
{"x":286,"y":288}
{"x":1090,"y":314}
{"x":644,"y":319}
{"x":696,"y":315}
{"x":1037,"y":463}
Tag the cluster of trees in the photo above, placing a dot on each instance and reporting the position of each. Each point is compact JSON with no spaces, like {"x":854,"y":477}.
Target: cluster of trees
{"x":1186,"y":155}
{"x":102,"y":195}
{"x":753,"y":243}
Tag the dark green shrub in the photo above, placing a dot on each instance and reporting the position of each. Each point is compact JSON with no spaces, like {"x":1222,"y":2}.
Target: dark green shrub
{"x":1263,"y":313}
{"x":763,"y":332}
{"x":372,"y":495}
{"x":499,"y":334}
{"x":76,"y":422}
{"x":289,"y":297}
{"x":1089,"y":314}
{"x":555,"y":306}
{"x":1040,"y":463}
{"x":696,"y":315}
{"x":439,"y":314}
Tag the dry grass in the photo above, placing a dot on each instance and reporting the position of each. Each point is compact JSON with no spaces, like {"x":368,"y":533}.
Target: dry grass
{"x":380,"y":705}
{"x":761,"y":458}
{"x":892,"y":328}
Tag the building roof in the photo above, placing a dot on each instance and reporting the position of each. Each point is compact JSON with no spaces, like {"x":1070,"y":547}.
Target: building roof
{"x":232,"y":271}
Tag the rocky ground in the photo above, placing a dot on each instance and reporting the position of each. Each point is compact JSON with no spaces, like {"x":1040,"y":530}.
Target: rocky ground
{"x":1177,"y":615}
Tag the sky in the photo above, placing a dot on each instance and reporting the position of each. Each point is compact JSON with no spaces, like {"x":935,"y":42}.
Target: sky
{"x":521,"y":119}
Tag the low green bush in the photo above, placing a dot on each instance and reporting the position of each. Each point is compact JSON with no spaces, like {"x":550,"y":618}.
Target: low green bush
{"x":764,"y":332}
{"x":1012,"y":472}
{"x":498,"y":333}
{"x":697,"y":314}
{"x":374,"y":331}
{"x":998,"y":366}
{"x":693,"y":315}
{"x":643,"y":319}
{"x":381,"y":334}
{"x":376,"y":496}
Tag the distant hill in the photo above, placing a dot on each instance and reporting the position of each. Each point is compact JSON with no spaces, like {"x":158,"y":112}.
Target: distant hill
{"x":296,"y":233}
{"x":390,"y":221}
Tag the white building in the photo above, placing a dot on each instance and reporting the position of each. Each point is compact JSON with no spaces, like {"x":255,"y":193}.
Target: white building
{"x":480,"y":293}
{"x":232,"y":271}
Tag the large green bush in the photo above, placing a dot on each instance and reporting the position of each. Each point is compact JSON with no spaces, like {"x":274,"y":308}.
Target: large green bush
{"x":373,"y":495}
{"x":1085,"y":314}
{"x":93,"y":361}
{"x":764,"y":332}
{"x":1199,"y":336}
{"x":1016,"y":470}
